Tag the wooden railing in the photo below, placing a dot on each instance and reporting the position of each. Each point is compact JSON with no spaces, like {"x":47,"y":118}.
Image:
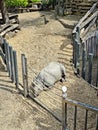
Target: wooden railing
{"x":87,"y":108}
{"x":85,"y":50}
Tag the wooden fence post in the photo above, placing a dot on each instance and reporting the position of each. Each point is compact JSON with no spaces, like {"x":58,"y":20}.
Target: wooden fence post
{"x":24,"y":73}
{"x":10,"y":58}
{"x":9,"y":63}
{"x":5,"y":49}
{"x":90,"y":68}
{"x":6,"y":55}
{"x":97,"y":122}
{"x":64,"y":108}
{"x":77,"y":56}
{"x":78,"y":33}
{"x":83,"y":62}
{"x":74,"y":48}
{"x":12,"y":64}
{"x":15,"y":69}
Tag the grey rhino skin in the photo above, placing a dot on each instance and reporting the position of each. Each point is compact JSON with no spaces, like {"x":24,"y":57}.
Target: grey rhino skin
{"x":48,"y":76}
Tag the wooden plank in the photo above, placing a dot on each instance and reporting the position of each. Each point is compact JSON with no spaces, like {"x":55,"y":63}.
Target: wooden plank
{"x":85,"y":16}
{"x":14,"y":26}
{"x":4,"y":27}
{"x":87,"y":29}
{"x":44,"y":107}
{"x":89,"y":20}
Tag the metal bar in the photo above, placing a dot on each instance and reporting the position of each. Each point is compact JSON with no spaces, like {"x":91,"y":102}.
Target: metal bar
{"x":15,"y":69}
{"x":81,"y":105}
{"x":64,"y":115}
{"x":75,"y":118}
{"x":86,"y":118}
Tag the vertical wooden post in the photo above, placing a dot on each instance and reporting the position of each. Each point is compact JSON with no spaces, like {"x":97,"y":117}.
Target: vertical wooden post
{"x":97,"y":122}
{"x":64,"y":108}
{"x":78,"y":58}
{"x":74,"y":48}
{"x":5,"y":48}
{"x":24,"y":73}
{"x":97,"y":76}
{"x":15,"y":69}
{"x":78,"y":33}
{"x":90,"y":68}
{"x":6,"y":54}
{"x":9,"y":59}
{"x":75,"y":53}
{"x":12,"y":64}
{"x":55,"y":12}
{"x":83,"y":62}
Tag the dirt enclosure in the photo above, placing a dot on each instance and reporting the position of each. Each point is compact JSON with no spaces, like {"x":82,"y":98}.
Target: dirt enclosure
{"x":42,"y":43}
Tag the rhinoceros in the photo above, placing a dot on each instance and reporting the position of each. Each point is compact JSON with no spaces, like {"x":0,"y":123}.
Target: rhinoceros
{"x":48,"y":76}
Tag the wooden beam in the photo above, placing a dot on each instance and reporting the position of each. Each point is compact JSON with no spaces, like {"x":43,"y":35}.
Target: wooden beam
{"x":12,"y":27}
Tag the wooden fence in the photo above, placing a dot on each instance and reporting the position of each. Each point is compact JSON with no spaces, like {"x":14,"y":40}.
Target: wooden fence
{"x":10,"y":58}
{"x":87,"y":108}
{"x":85,"y":47}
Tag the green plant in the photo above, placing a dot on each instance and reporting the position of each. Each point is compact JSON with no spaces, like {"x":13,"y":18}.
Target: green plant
{"x":13,"y":3}
{"x":36,"y":1}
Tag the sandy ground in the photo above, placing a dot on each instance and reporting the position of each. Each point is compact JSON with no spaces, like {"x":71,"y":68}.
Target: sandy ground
{"x":43,"y":43}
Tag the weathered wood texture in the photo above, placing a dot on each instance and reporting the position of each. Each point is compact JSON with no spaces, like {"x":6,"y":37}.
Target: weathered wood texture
{"x":87,"y":17}
{"x":4,"y":12}
{"x":11,"y":26}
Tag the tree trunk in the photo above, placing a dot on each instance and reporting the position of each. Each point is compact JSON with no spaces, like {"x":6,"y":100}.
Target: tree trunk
{"x":4,"y":12}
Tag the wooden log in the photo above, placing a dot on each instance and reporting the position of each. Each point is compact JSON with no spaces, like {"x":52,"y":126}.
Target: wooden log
{"x":13,"y":27}
{"x":4,"y":27}
{"x":11,"y":17}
